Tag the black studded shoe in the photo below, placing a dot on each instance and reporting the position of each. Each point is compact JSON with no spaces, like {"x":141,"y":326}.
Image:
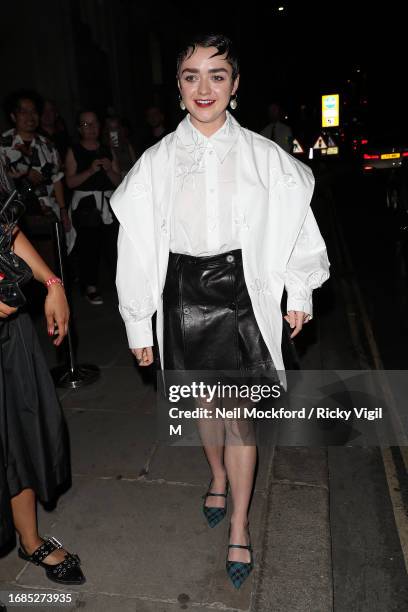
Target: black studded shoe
{"x":215,"y":515}
{"x":67,"y":571}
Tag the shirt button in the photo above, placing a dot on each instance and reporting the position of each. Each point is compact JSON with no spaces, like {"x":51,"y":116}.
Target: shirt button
{"x":210,"y":152}
{"x":230,"y":258}
{"x":186,"y":310}
{"x":212,"y":190}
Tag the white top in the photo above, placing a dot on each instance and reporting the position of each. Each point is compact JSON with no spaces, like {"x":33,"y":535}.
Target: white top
{"x":280,"y":240}
{"x":204,"y":222}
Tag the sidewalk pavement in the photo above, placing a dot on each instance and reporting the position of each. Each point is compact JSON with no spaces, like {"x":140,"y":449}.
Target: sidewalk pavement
{"x":133,"y":512}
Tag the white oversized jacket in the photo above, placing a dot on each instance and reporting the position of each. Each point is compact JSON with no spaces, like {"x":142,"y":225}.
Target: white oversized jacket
{"x":280,"y":240}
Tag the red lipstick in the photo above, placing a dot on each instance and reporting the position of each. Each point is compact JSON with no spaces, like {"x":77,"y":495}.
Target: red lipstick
{"x":204,"y":103}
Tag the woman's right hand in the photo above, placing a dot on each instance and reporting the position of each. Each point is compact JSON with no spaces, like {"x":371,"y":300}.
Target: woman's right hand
{"x":5,"y":310}
{"x":144,"y":355}
{"x":95,"y":166}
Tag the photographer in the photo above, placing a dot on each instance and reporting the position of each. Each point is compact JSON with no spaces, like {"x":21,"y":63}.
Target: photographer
{"x":32,"y":156}
{"x":93,"y":173}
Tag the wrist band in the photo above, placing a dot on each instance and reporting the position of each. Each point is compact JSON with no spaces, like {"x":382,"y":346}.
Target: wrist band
{"x":54,"y":280}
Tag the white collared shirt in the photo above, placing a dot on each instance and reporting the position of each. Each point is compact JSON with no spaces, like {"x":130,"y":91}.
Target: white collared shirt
{"x":203,"y":221}
{"x":281,"y":243}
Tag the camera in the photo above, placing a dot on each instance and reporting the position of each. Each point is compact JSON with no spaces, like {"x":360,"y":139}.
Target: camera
{"x":46,"y":171}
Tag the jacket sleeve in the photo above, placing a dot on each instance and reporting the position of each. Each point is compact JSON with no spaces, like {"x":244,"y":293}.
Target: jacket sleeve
{"x":136,"y":267}
{"x":308,"y":266}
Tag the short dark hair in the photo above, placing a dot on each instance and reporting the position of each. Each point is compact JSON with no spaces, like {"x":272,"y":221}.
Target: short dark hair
{"x":84,"y":110}
{"x":219,"y":41}
{"x":13,"y":100}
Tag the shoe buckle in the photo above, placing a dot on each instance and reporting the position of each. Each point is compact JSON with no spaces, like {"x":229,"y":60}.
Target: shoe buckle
{"x":54,"y":541}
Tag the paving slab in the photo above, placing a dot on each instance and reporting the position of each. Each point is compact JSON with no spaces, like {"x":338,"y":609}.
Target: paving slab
{"x":10,"y":566}
{"x":301,"y":464}
{"x":109,"y":443}
{"x":369,"y":571}
{"x":118,"y":388}
{"x":149,"y":541}
{"x":113,"y":603}
{"x":295,"y":573}
{"x":189,"y":464}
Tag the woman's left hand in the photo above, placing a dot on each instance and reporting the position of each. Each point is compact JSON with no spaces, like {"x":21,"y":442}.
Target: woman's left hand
{"x":296,"y":319}
{"x":57,"y":313}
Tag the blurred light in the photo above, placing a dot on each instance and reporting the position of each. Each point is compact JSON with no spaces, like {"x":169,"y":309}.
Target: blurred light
{"x":405,"y":154}
{"x":364,"y":141}
{"x":368,"y":156}
{"x":281,"y":8}
{"x":368,"y":168}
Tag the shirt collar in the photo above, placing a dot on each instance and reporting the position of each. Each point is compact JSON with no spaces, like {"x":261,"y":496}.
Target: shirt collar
{"x":222,"y":140}
{"x":17,"y":138}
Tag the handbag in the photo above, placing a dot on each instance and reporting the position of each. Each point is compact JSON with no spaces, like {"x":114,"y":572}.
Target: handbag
{"x":14,"y":271}
{"x":87,"y":214}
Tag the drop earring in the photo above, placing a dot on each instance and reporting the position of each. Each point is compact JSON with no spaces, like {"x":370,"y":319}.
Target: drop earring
{"x":233,"y":102}
{"x":182,"y":105}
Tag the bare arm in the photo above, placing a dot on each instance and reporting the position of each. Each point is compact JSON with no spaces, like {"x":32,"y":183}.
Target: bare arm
{"x":73,"y":179}
{"x":26,"y":251}
{"x":112,"y":169}
{"x":56,"y":306}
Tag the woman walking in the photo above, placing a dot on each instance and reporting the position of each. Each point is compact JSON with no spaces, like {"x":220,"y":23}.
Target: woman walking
{"x":215,"y":222}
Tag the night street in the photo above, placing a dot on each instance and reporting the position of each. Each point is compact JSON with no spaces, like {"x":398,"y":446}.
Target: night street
{"x":174,"y":180}
{"x":133,"y":512}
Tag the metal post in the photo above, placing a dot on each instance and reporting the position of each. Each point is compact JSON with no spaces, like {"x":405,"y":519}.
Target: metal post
{"x":70,"y":375}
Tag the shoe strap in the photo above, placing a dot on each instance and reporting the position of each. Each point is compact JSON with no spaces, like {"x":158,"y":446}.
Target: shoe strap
{"x":240,"y":546}
{"x":46,"y":548}
{"x":215,"y":494}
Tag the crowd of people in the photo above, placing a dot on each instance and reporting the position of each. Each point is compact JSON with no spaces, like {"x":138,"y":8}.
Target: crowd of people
{"x":72,"y":178}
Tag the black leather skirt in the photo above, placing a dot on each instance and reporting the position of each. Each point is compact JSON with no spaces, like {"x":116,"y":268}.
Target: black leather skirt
{"x":209,"y":323}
